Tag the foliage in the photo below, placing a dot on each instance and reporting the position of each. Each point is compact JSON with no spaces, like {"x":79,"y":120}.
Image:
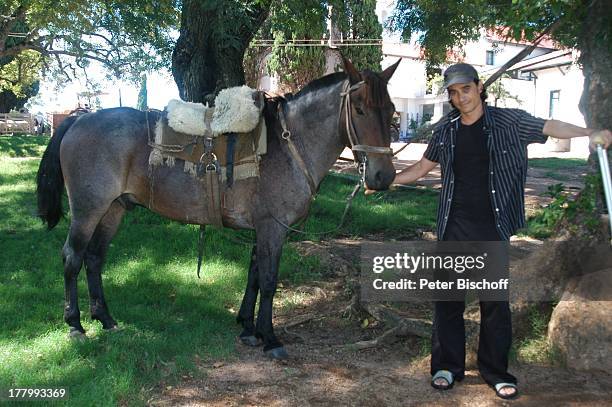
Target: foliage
{"x":542,"y":224}
{"x":442,"y":26}
{"x":20,"y":74}
{"x":295,"y":20}
{"x":292,"y":20}
{"x":563,"y":209}
{"x":362,"y":23}
{"x":499,"y":91}
{"x":128,"y":37}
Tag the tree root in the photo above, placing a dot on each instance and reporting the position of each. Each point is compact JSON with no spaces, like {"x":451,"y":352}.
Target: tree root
{"x":405,"y":327}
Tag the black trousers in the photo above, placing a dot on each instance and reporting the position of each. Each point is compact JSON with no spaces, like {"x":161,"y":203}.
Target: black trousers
{"x":448,"y":337}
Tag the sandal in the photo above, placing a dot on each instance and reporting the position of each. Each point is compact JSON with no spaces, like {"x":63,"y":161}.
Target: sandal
{"x":500,"y":386}
{"x":446,"y":375}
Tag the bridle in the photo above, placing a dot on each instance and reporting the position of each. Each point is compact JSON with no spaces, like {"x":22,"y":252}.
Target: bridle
{"x":360,"y":151}
{"x":345,"y":105}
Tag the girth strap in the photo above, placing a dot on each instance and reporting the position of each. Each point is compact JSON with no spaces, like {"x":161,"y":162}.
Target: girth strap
{"x":209,"y":171}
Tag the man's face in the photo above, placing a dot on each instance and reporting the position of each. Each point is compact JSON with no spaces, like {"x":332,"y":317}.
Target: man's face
{"x":465,"y":96}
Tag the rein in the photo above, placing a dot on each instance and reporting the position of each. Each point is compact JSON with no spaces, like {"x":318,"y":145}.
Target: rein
{"x":345,"y":104}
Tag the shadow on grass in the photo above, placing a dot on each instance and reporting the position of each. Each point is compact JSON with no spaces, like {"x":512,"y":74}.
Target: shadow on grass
{"x":22,"y":145}
{"x":168,"y":315}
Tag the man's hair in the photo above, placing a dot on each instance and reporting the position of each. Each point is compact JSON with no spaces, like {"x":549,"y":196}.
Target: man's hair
{"x":483,"y":95}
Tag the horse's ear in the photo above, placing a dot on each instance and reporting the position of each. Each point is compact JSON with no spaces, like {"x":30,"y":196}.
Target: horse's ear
{"x":353,"y":74}
{"x":388,"y":73}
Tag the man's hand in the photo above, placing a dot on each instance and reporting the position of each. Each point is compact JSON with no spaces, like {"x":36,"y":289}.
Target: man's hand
{"x":368,"y":191}
{"x":602,"y":137}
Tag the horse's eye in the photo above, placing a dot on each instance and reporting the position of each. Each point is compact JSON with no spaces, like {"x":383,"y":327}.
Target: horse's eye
{"x":358,"y":110}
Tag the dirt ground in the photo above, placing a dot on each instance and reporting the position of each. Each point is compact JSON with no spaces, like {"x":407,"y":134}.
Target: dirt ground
{"x":323,"y":371}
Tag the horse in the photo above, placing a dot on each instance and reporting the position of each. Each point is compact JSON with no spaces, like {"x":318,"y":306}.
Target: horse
{"x":101,"y":160}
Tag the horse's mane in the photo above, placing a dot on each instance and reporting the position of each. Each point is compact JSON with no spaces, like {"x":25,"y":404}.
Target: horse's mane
{"x":376,"y":90}
{"x":320,"y":83}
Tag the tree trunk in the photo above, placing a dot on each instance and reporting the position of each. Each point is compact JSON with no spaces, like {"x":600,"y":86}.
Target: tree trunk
{"x":596,"y":58}
{"x":595,"y":44}
{"x":209,"y":52}
{"x":583,"y":233}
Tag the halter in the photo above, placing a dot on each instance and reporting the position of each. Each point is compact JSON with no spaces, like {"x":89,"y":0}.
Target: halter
{"x":356,"y":148}
{"x":350,"y":127}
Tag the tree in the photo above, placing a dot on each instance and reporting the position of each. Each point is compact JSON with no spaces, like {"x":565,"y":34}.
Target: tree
{"x":19,"y":80}
{"x":499,"y":92}
{"x":127,"y":37}
{"x":142,"y":103}
{"x":213,"y":38}
{"x":362,"y":24}
{"x":215,"y":35}
{"x":295,"y":30}
{"x":585,"y":25}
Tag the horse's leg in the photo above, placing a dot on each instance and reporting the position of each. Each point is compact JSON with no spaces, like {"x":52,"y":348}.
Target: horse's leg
{"x":72,"y":255}
{"x":94,"y":260}
{"x":246,"y":314}
{"x":270,"y":239}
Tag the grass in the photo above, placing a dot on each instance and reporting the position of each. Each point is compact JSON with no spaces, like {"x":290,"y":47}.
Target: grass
{"x":170,"y":318}
{"x":535,"y":347}
{"x":554,"y":163}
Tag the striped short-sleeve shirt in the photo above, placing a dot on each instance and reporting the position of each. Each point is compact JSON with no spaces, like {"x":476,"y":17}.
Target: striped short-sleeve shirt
{"x":508,"y":132}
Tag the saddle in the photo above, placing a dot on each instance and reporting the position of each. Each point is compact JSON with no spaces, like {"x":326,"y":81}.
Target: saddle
{"x":217,"y":145}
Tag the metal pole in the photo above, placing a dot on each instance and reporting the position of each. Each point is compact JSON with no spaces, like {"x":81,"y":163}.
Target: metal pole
{"x":607,"y":182}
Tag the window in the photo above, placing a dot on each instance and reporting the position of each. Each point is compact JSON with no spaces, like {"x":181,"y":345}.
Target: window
{"x":490,"y":57}
{"x":553,"y":107}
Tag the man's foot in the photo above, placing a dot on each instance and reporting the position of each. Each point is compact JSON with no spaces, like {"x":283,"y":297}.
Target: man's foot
{"x":506,"y":391}
{"x":442,"y":380}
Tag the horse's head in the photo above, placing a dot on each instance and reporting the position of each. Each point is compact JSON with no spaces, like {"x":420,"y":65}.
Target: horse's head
{"x":365,"y":122}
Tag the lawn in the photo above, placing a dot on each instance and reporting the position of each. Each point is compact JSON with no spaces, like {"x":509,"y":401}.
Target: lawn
{"x":554,"y":163}
{"x":170,"y":318}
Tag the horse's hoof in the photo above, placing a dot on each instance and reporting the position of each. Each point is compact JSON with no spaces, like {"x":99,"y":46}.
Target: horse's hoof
{"x":250,"y":340}
{"x":277,"y":353}
{"x":76,"y":335}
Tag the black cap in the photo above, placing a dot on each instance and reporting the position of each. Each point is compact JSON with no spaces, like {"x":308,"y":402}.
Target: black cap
{"x":459,"y":73}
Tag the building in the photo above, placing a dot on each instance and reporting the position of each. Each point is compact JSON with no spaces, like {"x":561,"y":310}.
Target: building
{"x":547,"y":83}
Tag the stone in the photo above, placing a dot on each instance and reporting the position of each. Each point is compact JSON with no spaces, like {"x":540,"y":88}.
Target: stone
{"x":580,"y":328}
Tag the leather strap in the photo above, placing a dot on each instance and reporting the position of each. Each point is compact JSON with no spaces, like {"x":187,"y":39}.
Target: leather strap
{"x":286,"y":135}
{"x":209,"y":171}
{"x":214,"y":198}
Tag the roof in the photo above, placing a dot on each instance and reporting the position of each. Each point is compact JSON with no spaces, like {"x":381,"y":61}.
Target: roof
{"x":501,"y":35}
{"x":550,"y":60}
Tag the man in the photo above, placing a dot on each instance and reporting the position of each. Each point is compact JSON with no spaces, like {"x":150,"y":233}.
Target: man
{"x":483,"y":157}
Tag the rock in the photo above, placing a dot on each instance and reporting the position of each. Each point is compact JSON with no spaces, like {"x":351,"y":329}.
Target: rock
{"x":580,"y":326}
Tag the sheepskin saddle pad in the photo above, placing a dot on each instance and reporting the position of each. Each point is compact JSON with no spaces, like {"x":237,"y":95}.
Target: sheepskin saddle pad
{"x":238,"y":132}
{"x":237,"y":110}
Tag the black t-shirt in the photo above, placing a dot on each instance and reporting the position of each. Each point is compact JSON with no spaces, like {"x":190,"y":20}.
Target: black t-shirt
{"x":471,"y":198}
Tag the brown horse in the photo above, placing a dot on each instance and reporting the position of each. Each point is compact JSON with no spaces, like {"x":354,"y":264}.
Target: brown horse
{"x":102,"y":159}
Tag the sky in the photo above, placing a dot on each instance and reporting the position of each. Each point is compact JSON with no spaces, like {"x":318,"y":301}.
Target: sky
{"x":160,"y":88}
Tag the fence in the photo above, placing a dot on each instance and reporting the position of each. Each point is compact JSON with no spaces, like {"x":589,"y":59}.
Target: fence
{"x":16,"y":123}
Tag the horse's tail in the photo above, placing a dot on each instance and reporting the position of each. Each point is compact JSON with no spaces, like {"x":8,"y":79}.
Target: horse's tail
{"x":50,"y":180}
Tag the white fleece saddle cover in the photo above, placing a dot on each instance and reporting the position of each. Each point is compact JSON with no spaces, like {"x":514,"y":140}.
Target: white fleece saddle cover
{"x":235,"y":111}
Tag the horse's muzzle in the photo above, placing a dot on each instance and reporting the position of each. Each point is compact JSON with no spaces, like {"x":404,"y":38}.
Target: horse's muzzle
{"x":380,"y":173}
